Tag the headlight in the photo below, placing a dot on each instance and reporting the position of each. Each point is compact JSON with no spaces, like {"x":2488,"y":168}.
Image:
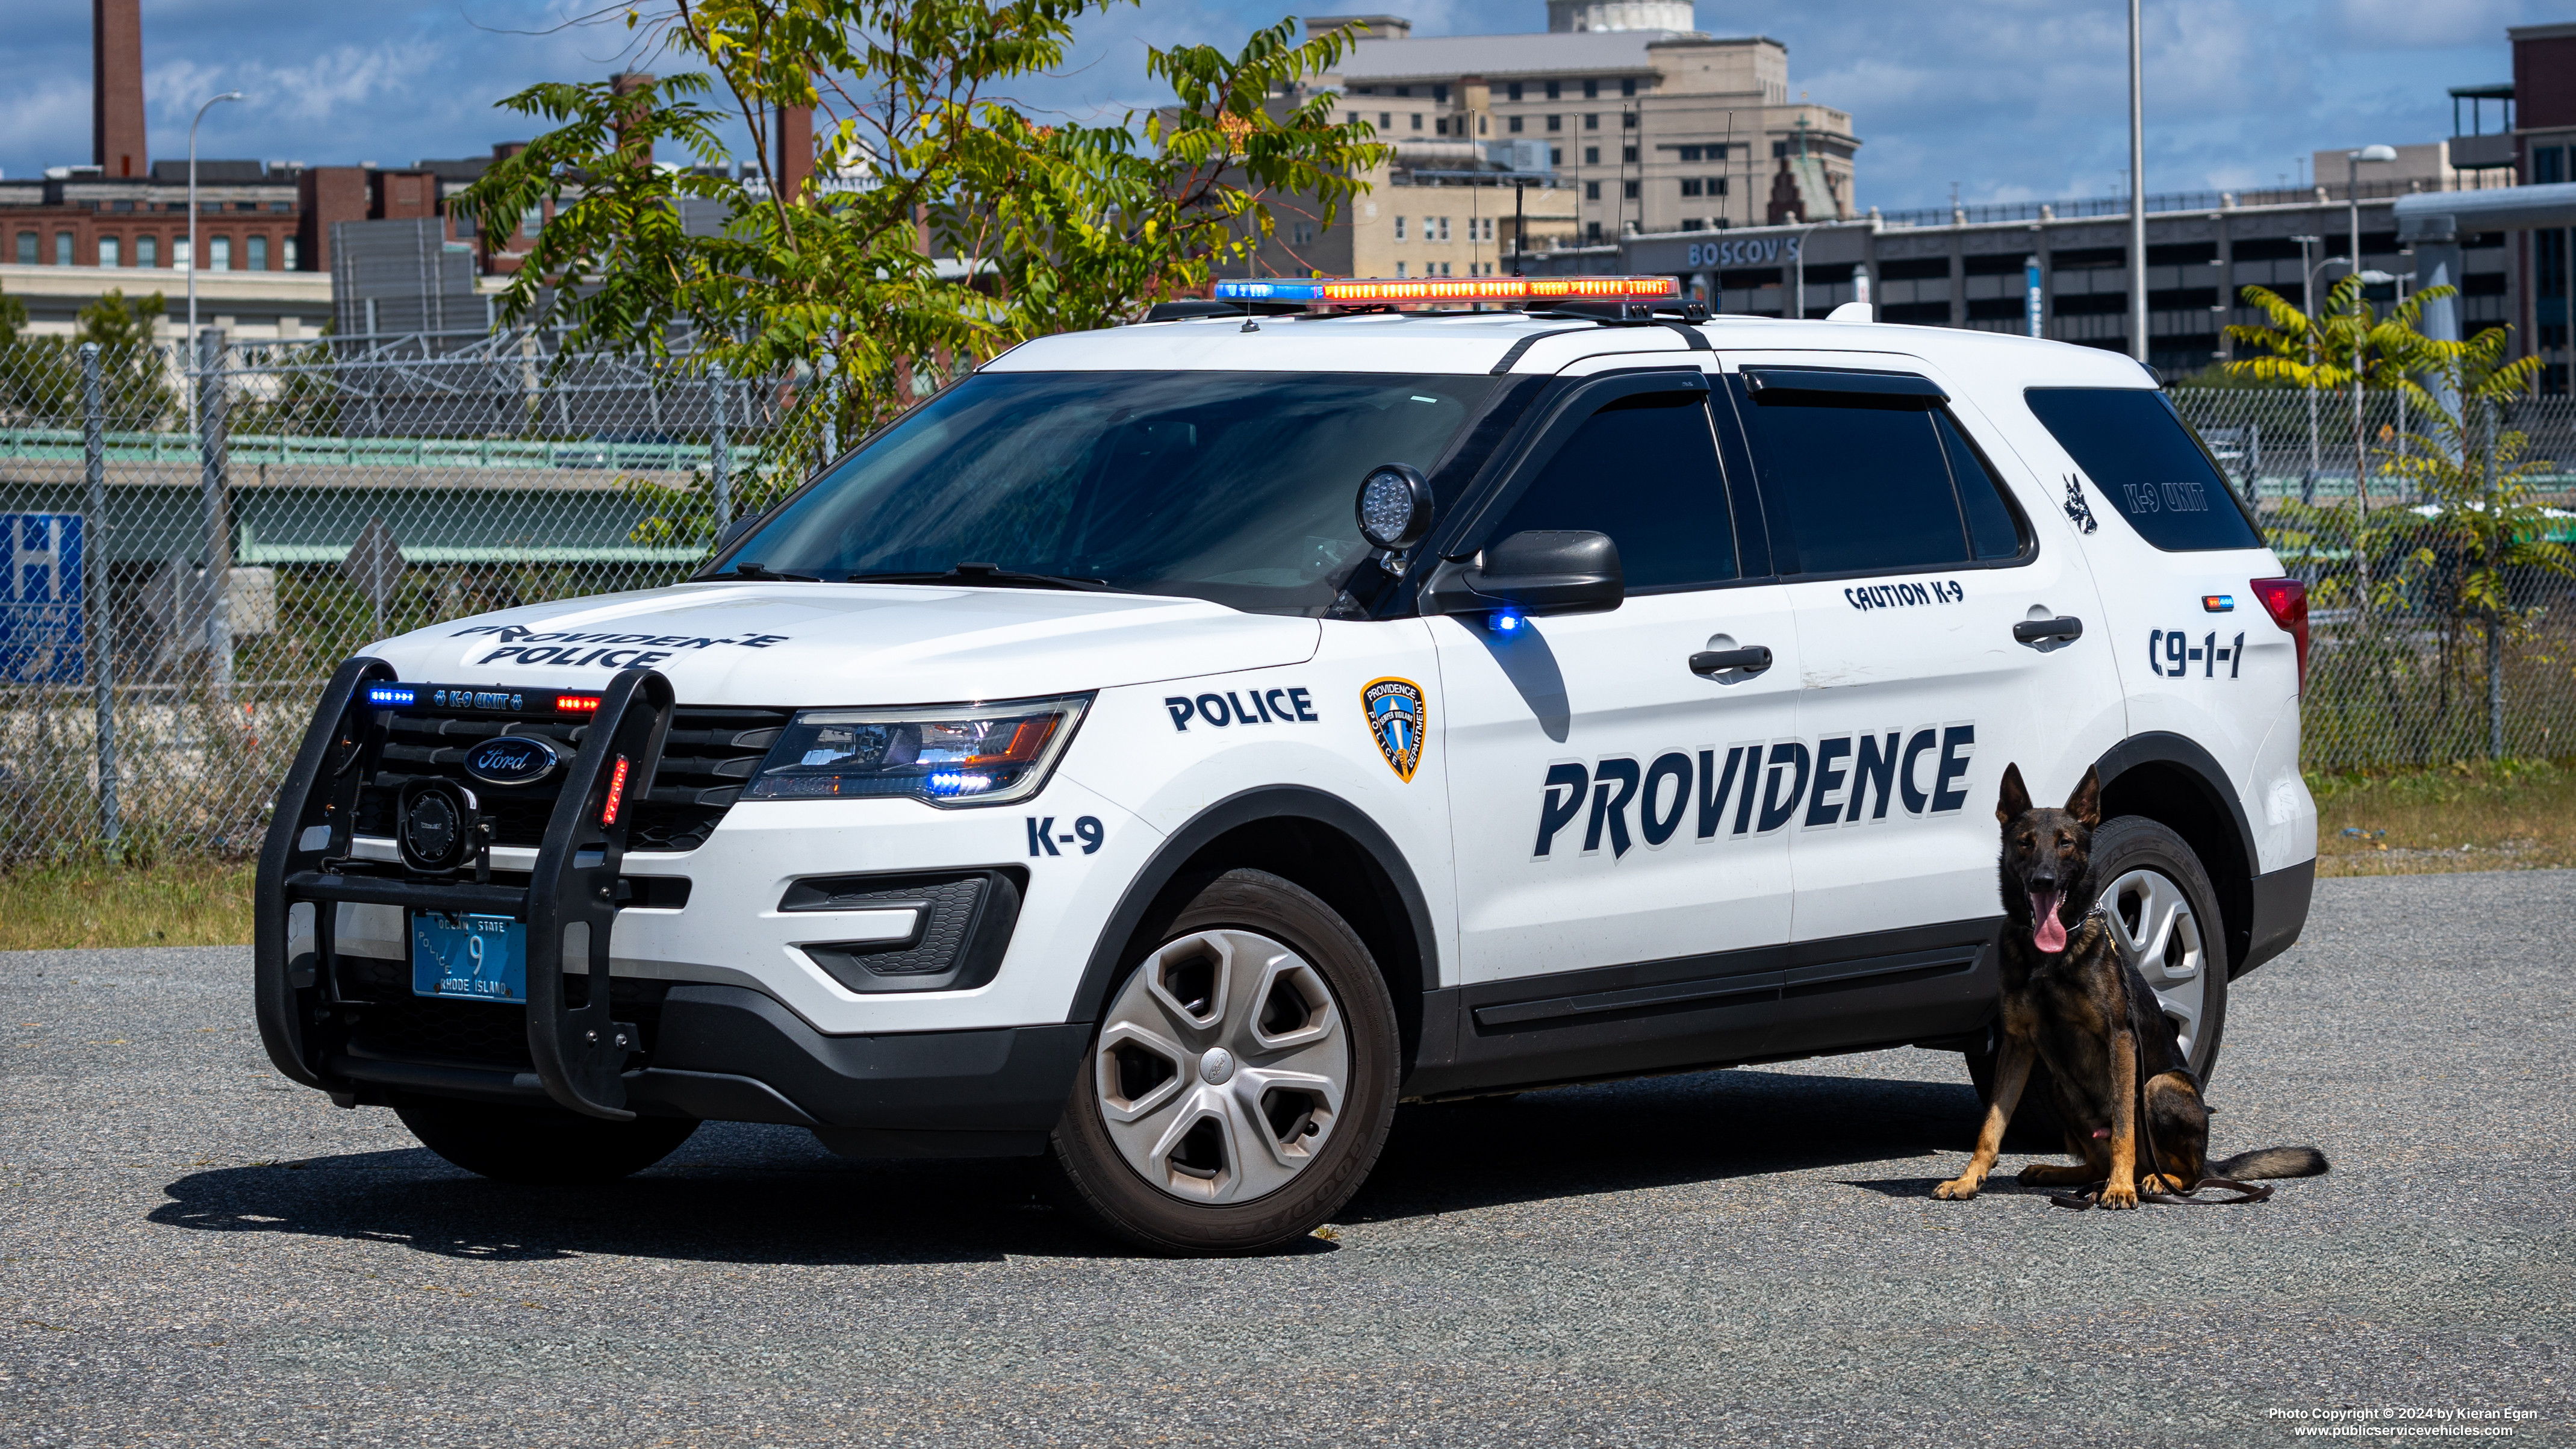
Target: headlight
{"x":955,"y":754}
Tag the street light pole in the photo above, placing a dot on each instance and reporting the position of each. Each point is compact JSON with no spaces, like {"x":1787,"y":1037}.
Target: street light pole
{"x":2352,"y":197}
{"x":194,"y":260}
{"x":2137,"y":196}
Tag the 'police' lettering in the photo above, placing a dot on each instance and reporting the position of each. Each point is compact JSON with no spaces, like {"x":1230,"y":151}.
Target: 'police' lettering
{"x":1245,"y":707}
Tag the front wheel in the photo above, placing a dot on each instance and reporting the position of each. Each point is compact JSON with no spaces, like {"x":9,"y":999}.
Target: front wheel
{"x":1242,"y":1081}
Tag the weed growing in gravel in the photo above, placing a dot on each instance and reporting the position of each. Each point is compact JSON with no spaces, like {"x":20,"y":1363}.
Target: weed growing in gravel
{"x":2475,"y":815}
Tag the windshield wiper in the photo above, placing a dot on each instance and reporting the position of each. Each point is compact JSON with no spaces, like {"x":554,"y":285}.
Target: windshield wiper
{"x":989,"y":575}
{"x":757,"y":574}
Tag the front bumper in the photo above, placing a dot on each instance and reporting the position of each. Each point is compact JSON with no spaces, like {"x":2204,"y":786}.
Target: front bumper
{"x":727,"y":1053}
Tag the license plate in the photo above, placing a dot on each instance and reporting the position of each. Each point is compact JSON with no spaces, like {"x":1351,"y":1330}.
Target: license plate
{"x":472,"y":958}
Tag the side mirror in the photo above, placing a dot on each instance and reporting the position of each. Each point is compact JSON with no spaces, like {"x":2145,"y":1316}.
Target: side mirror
{"x":1567,"y":571}
{"x":731,"y":534}
{"x":1394,"y":507}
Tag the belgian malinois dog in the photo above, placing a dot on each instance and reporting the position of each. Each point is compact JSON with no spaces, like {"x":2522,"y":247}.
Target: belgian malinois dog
{"x":2114,"y":1058}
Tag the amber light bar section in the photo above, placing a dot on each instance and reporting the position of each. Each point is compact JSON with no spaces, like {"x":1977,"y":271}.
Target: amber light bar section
{"x":1398,"y":291}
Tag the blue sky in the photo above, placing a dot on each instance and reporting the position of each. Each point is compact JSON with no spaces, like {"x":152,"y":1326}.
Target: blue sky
{"x":2009,"y":99}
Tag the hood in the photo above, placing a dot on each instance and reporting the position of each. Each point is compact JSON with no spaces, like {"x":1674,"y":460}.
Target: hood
{"x":826,"y":644}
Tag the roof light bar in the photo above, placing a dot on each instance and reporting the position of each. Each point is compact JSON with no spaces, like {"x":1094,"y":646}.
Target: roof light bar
{"x":1382,"y":291}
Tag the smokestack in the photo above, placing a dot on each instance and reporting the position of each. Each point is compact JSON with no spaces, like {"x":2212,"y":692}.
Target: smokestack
{"x":116,"y":88}
{"x":793,"y":134}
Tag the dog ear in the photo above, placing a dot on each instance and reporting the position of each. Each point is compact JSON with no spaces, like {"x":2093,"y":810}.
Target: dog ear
{"x":2015,"y":800}
{"x":2086,"y":803}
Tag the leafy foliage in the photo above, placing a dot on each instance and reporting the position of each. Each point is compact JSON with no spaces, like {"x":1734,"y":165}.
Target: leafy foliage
{"x":941,"y":224}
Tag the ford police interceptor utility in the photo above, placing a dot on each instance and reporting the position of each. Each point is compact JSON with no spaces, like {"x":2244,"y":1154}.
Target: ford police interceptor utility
{"x":1166,"y":749}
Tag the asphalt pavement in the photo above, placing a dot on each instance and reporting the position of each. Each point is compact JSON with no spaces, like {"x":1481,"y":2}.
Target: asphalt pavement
{"x":194,"y":1251}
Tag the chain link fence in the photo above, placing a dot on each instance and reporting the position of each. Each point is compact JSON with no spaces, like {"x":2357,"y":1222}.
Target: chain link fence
{"x":2413,"y":660}
{"x":192,"y":543}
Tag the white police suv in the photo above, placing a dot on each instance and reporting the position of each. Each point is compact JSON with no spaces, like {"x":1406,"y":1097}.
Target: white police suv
{"x":1168,"y":748}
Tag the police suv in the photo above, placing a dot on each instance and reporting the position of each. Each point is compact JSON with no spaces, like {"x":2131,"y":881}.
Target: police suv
{"x":1167,"y":749}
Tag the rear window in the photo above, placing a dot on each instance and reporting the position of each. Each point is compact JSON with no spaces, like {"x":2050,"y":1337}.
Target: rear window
{"x":2137,"y":454}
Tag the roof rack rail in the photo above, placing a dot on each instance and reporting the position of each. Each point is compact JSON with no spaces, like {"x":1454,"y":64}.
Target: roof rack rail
{"x":1188,"y":307}
{"x":1622,"y":313}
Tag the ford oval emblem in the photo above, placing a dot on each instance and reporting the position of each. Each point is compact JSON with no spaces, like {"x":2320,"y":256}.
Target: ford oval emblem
{"x":511,"y":760}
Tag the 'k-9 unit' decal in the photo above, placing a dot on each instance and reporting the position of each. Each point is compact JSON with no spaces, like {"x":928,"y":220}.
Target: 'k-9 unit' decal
{"x":1755,"y":789}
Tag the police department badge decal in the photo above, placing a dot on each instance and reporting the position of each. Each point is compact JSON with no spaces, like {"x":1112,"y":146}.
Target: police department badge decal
{"x":1397,"y":718}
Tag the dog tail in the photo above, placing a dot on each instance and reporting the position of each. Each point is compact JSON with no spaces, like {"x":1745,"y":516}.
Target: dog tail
{"x":2272,"y":1162}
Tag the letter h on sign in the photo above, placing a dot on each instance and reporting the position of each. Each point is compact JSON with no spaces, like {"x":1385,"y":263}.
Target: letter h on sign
{"x":41,"y":597}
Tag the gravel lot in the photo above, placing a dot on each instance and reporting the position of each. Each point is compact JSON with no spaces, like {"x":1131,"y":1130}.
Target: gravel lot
{"x":193,"y":1251}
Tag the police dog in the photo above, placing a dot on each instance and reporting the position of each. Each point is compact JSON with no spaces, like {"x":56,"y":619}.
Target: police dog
{"x":2114,"y":1058}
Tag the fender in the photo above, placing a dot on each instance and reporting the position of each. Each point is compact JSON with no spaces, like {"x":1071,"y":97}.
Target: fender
{"x":1270,"y":802}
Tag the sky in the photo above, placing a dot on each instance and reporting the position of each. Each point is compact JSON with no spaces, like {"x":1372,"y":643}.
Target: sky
{"x":2009,"y":100}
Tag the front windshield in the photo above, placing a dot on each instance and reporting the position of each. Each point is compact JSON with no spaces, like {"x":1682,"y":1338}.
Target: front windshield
{"x":1236,"y":487}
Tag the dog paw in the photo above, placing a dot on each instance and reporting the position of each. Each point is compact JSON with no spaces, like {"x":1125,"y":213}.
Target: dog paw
{"x":1957,"y":1189}
{"x":2118,"y":1195}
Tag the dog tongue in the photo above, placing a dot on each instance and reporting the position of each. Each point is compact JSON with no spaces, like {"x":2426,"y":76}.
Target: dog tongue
{"x":2047,"y":932}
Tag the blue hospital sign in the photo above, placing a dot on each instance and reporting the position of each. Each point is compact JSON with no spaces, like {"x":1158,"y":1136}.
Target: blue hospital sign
{"x":40,"y":598}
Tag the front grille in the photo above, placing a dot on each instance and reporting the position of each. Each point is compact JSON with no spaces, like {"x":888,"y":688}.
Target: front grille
{"x":387,"y":1020}
{"x":710,"y":752}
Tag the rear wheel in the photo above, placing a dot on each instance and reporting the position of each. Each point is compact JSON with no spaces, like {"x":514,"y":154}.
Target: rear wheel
{"x":2164,"y":920}
{"x":1242,"y":1081}
{"x":541,"y":1147}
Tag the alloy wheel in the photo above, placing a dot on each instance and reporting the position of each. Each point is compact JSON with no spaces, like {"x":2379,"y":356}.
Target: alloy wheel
{"x":2154,"y":928}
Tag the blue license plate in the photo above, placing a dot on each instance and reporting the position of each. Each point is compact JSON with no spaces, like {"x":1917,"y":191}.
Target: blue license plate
{"x":472,"y":958}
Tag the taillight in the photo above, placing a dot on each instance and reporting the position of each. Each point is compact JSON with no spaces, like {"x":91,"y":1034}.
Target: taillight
{"x":2286,"y":600}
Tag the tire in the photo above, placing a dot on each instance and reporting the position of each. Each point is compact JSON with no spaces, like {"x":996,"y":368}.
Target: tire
{"x":1241,"y":1082}
{"x":2165,"y":921}
{"x":539,"y":1147}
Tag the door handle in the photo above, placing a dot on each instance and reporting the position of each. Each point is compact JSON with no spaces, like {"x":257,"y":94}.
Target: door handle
{"x":1752,"y":659}
{"x":2035,"y":631}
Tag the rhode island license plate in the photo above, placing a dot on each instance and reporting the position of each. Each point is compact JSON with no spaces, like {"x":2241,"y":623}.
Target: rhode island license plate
{"x":477,"y":958}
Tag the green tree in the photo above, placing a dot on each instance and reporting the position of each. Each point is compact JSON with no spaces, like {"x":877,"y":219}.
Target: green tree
{"x":942,"y":224}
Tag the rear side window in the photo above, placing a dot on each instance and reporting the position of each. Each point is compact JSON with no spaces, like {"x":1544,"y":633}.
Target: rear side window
{"x":2146,"y":465}
{"x":1855,"y":483}
{"x":1644,"y":471}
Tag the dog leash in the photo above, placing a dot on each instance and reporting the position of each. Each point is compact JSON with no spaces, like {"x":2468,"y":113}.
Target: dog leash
{"x":2089,"y":1196}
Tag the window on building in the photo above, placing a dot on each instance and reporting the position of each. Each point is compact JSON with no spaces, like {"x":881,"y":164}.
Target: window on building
{"x":1444,"y":228}
{"x":1643,"y":470}
{"x":1591,"y":155}
{"x":1690,"y":186}
{"x":109,"y":252}
{"x":1444,"y":269}
{"x":147,"y":251}
{"x":1399,"y":228}
{"x":1440,"y":125}
{"x":1592,"y":229}
{"x":1417,"y":120}
{"x":532,"y":221}
{"x":2548,"y":165}
{"x":1592,"y":122}
{"x":1627,"y":155}
{"x":1440,"y":93}
{"x":1404,"y":90}
{"x":27,"y":244}
{"x":1592,"y":90}
{"x":1592,"y":191}
{"x":1554,"y":91}
{"x":1627,"y":85}
{"x":288,"y":261}
{"x":1717,"y":186}
{"x":1556,"y":123}
{"x":1628,"y":190}
{"x":1513,"y":90}
{"x":1556,"y":155}
{"x":1513,"y":125}
{"x":181,"y":252}
{"x":1385,"y":121}
{"x":1627,"y":120}
{"x":1853,"y":486}
{"x":219,"y":254}
{"x":63,"y":243}
{"x":1686,"y":153}
{"x":259,"y":254}
{"x":1692,"y":223}
{"x":1399,"y":269}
